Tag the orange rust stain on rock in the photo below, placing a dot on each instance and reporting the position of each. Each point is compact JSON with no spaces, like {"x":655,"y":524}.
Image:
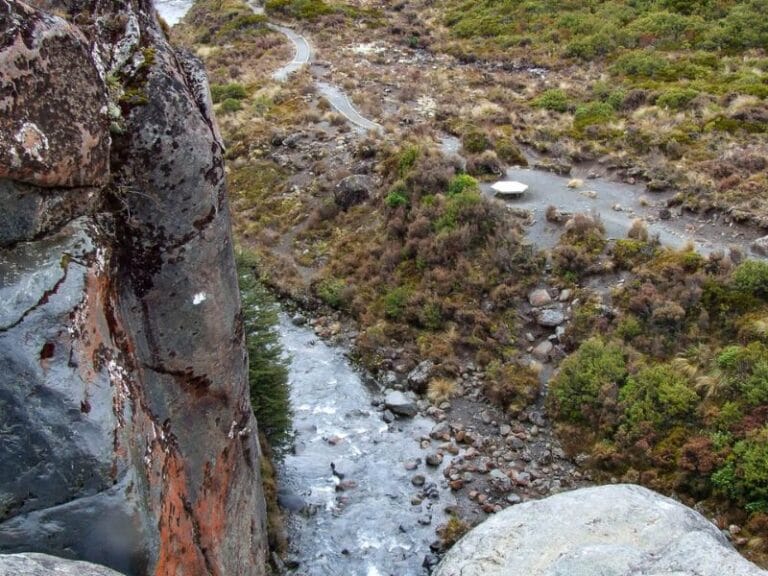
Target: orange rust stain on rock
{"x":211,"y":507}
{"x":179,"y":553}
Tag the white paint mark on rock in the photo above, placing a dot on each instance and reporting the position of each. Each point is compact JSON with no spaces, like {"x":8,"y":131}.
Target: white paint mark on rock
{"x":199,"y":298}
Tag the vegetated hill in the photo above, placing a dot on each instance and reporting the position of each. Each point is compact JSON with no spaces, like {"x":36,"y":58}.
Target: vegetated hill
{"x":684,"y":82}
{"x":590,"y":29}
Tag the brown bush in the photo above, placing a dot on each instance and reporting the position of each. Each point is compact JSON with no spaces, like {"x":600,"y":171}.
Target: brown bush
{"x":511,"y":386}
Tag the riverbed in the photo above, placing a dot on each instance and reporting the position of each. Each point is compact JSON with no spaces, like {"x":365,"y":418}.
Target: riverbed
{"x":364,"y":523}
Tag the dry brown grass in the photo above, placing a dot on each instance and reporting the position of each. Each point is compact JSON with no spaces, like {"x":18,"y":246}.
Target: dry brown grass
{"x":440,"y":390}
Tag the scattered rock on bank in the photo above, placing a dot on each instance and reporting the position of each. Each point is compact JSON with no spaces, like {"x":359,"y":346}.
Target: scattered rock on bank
{"x":760,"y":246}
{"x":543,"y":350}
{"x":551,"y":317}
{"x":617,"y":530}
{"x":400,"y":404}
{"x":419,"y":377}
{"x":353,"y":190}
{"x":539,"y":297}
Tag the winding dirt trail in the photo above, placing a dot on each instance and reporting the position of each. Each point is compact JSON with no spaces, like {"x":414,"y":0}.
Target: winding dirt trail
{"x":303,"y":54}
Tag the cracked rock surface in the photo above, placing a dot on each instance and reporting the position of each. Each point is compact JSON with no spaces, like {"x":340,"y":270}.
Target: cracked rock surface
{"x":127,"y":434}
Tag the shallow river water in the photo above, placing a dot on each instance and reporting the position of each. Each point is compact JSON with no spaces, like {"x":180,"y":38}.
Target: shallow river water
{"x":370,"y":527}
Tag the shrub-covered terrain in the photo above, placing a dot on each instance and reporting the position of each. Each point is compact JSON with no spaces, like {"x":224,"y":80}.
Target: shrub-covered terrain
{"x":674,"y":392}
{"x":681,"y":81}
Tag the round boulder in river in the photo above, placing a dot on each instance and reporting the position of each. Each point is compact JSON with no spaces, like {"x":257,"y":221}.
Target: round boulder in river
{"x":619,"y":530}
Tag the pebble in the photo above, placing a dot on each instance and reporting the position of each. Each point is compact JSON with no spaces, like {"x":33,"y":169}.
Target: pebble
{"x":441,"y":431}
{"x":543,"y":350}
{"x":412,"y":464}
{"x":418,"y":480}
{"x":513,"y":499}
{"x":539,"y":297}
{"x":434,"y":459}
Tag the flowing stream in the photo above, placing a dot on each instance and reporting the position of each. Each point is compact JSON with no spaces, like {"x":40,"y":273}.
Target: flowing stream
{"x":364,"y":523}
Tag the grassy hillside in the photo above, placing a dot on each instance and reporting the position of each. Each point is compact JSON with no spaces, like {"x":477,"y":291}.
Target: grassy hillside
{"x":590,"y":29}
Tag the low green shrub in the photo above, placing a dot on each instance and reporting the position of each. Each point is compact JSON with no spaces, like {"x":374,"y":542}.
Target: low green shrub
{"x":751,"y":277}
{"x":593,"y":113}
{"x":395,"y":301}
{"x":744,"y":477}
{"x":676,"y":98}
{"x":554,"y":99}
{"x":301,"y":9}
{"x":654,"y":399}
{"x":475,"y":141}
{"x":233,"y":90}
{"x":461,"y":183}
{"x":331,"y":291}
{"x":585,"y":379}
{"x":230,"y":105}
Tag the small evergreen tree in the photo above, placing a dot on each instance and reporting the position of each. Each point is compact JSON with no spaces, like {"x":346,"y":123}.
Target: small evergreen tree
{"x":267,"y":366}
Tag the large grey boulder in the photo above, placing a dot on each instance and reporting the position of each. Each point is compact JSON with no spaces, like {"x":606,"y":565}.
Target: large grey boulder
{"x":399,"y":403}
{"x":44,"y":565}
{"x":620,"y":530}
{"x":353,"y":190}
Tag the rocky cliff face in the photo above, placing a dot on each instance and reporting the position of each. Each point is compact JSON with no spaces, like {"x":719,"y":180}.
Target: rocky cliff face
{"x":127,"y":435}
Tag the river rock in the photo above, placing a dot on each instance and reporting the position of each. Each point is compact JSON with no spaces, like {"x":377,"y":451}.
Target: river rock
{"x":290,"y":501}
{"x":434,"y":459}
{"x":31,"y":564}
{"x":543,"y":350}
{"x":618,"y":530}
{"x":550,"y":318}
{"x":760,"y":246}
{"x":539,"y":297}
{"x":399,"y":403}
{"x":657,"y":185}
{"x":353,"y":190}
{"x":419,"y":377}
{"x":441,"y":431}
